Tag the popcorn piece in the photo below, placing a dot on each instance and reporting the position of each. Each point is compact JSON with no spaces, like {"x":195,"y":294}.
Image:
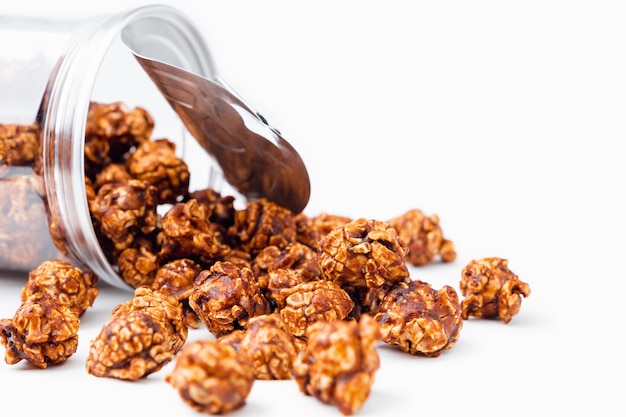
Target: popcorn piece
{"x":187,"y":233}
{"x":211,"y":377}
{"x":141,"y":336}
{"x":225,"y":297}
{"x":177,"y":278}
{"x":268,"y":346}
{"x":138,"y":264}
{"x":119,"y":126}
{"x":419,"y":319}
{"x":424,"y":237}
{"x":339,"y":362}
{"x":123,"y":211}
{"x":19,"y":144}
{"x":220,"y":209}
{"x":311,"y":229}
{"x":364,"y":257}
{"x":309,"y":302}
{"x":278,"y":268}
{"x":65,"y":282}
{"x":157,"y":163}
{"x":491,"y":289}
{"x":43,"y":332}
{"x":263,"y":223}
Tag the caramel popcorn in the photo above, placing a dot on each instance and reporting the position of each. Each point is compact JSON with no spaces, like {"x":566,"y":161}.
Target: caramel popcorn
{"x":225,"y":297}
{"x":124,"y":211}
{"x":295,"y":256}
{"x":220,"y":209}
{"x":268,"y":346}
{"x":339,"y":363}
{"x":311,"y":229}
{"x":263,"y":223}
{"x":365,"y":257}
{"x":211,"y":377}
{"x":43,"y":332}
{"x":187,"y":233}
{"x":156,"y":162}
{"x":177,"y":277}
{"x":276,"y":268}
{"x":120,"y":127}
{"x":423,"y":236}
{"x":25,"y":239}
{"x":19,"y":144}
{"x":110,"y":174}
{"x":279,"y":280}
{"x":309,"y":302}
{"x":138,"y":265}
{"x":70,"y":285}
{"x":141,"y":336}
{"x":419,"y":319}
{"x":491,"y":290}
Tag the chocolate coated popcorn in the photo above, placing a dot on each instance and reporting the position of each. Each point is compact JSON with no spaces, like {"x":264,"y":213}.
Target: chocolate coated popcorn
{"x":339,"y":363}
{"x":267,"y":345}
{"x":424,"y":237}
{"x":43,"y":332}
{"x":419,"y":319}
{"x":225,"y":297}
{"x":491,"y":289}
{"x":211,"y":377}
{"x":309,"y":302}
{"x":141,"y":336}
{"x":70,"y":285}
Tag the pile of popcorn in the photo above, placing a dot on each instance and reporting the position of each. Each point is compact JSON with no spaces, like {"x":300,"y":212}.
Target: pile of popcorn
{"x":282,"y":295}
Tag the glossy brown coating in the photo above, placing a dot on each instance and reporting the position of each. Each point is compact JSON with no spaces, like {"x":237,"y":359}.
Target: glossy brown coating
{"x":491,"y":289}
{"x":187,"y":233}
{"x":124,"y":211}
{"x":310,"y":229}
{"x":263,"y":223}
{"x":419,"y":319}
{"x":225,"y":297}
{"x":211,"y":377}
{"x":339,"y":363}
{"x":424,"y":237}
{"x":268,"y":346}
{"x":363,"y":254}
{"x":156,"y":162}
{"x":141,"y":336}
{"x":310,"y":302}
{"x":70,"y":285}
{"x":43,"y":332}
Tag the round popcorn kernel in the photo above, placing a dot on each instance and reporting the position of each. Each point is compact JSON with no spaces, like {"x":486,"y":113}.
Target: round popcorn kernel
{"x":124,"y":211}
{"x":363,"y":254}
{"x":211,"y":377}
{"x":141,"y":336}
{"x":339,"y":362}
{"x":424,"y":237}
{"x":43,"y":332}
{"x":491,"y":289}
{"x":156,"y":162}
{"x":69,"y":284}
{"x":263,"y":223}
{"x":186,"y":232}
{"x":225,"y":297}
{"x":420,"y":319}
{"x":268,"y":346}
{"x":309,"y":302}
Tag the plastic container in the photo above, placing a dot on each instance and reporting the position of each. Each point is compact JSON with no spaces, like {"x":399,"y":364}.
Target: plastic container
{"x":50,"y":71}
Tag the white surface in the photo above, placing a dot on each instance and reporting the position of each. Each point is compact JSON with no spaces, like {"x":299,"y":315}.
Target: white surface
{"x":507,"y":119}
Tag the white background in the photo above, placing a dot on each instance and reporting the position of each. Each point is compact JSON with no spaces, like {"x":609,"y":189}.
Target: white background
{"x":505,"y":118}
